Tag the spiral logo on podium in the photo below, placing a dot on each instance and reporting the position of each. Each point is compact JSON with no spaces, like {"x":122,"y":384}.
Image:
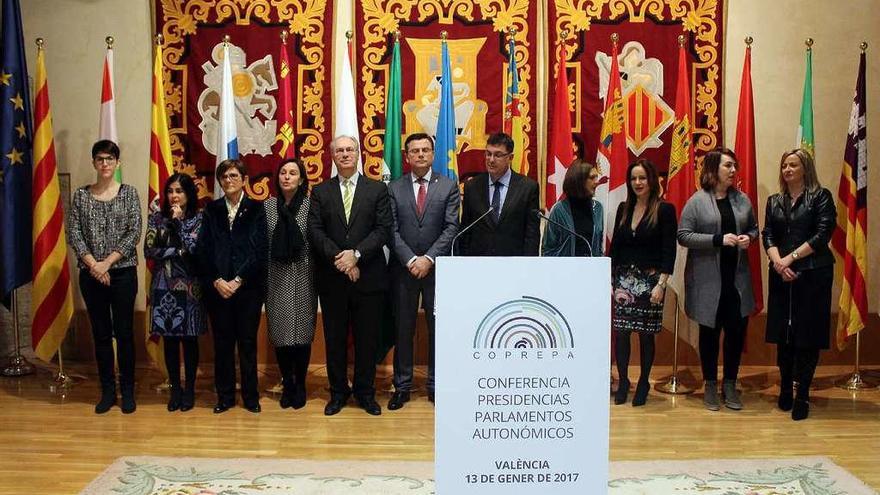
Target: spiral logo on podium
{"x":526,"y":323}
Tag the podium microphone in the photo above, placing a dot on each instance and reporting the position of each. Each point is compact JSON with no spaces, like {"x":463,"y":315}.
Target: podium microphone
{"x":462,"y":231}
{"x":565,"y":228}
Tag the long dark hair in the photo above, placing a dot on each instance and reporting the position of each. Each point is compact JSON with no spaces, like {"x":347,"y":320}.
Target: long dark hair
{"x":653,"y":196}
{"x":575,"y":177}
{"x":302,"y":189}
{"x":189,"y":189}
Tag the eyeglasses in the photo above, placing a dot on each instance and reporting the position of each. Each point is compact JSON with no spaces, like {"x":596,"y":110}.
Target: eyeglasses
{"x":496,"y":155}
{"x":231,"y":176}
{"x":105,"y":159}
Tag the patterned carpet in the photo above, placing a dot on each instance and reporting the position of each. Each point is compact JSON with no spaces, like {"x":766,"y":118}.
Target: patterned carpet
{"x":192,"y":476}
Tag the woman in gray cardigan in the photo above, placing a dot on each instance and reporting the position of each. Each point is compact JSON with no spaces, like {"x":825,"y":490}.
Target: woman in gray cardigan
{"x":717,"y":226}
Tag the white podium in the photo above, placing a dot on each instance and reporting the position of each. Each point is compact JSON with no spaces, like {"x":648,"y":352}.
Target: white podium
{"x":522,"y":363}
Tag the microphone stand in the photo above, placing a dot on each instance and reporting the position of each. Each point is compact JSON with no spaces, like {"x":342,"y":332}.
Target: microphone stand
{"x":565,"y":228}
{"x":468,"y":227}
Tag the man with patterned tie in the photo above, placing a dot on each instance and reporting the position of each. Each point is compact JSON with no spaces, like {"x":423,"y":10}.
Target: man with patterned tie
{"x":512,"y":227}
{"x":425,"y":208}
{"x":349,"y":222}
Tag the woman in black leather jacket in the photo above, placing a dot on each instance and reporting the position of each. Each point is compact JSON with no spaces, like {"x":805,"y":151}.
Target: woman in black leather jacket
{"x":797,"y":228}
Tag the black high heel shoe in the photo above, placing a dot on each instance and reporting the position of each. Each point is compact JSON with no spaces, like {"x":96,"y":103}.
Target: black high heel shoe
{"x":174,"y":399}
{"x":641,"y":395}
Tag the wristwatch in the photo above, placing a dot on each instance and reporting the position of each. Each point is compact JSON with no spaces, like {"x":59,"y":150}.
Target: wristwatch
{"x":237,"y":279}
{"x":357,"y":255}
{"x":795,"y":255}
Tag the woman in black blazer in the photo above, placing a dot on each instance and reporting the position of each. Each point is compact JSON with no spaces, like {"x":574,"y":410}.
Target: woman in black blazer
{"x":797,"y":229}
{"x":642,"y":258}
{"x":232,"y":251}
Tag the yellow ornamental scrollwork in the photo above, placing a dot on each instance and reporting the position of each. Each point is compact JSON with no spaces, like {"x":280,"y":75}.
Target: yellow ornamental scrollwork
{"x":446,"y":9}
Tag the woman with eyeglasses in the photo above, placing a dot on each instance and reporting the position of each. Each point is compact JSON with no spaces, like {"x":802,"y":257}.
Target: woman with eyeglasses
{"x":717,"y":226}
{"x":104,"y":229}
{"x":799,"y":221}
{"x":642,"y":259}
{"x":291,"y":299}
{"x":177,"y":313}
{"x":232,"y":251}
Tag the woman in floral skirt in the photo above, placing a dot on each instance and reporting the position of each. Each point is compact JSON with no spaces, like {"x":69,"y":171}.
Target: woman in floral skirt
{"x":642,"y":258}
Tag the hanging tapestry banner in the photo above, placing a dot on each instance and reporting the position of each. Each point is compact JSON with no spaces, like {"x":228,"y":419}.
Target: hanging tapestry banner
{"x":477,"y":37}
{"x":648,"y":55}
{"x":193,"y":33}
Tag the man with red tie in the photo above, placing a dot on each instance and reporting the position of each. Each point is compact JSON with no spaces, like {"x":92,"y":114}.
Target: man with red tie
{"x":425,"y":210}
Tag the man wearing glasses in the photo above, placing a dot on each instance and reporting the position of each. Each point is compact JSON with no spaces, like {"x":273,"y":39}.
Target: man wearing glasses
{"x":349,"y":222}
{"x":425,"y":208}
{"x":511,"y":228}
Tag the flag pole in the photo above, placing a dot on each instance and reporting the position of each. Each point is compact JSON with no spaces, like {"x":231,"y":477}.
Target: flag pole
{"x":18,"y":365}
{"x":854,"y":381}
{"x":673,"y":385}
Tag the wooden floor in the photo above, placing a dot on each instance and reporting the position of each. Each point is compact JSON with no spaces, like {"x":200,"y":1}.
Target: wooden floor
{"x":51,"y":443}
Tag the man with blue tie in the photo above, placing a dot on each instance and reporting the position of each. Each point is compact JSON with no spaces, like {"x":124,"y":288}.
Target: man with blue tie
{"x":425,"y":208}
{"x":512,"y":227}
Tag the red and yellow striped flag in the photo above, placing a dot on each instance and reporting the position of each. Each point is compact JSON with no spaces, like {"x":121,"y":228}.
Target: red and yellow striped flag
{"x":850,"y":238}
{"x":52,"y":300}
{"x":160,"y":170}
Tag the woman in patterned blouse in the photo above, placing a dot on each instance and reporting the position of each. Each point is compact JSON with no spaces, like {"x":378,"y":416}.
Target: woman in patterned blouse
{"x":104,"y":231}
{"x":176,"y":293}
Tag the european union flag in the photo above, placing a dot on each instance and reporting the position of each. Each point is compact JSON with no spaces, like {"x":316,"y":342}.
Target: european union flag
{"x":444,"y":154}
{"x":15,"y":157}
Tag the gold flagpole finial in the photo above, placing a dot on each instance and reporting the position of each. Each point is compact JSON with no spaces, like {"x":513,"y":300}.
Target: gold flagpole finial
{"x":39,"y":42}
{"x":284,"y":36}
{"x":443,"y":35}
{"x":160,"y":39}
{"x":563,"y":34}
{"x":681,"y":40}
{"x":863,"y":45}
{"x":349,"y":35}
{"x":809,"y":43}
{"x":749,"y":40}
{"x":512,"y":31}
{"x":109,"y":40}
{"x":615,"y":38}
{"x":396,"y":35}
{"x":226,"y":39}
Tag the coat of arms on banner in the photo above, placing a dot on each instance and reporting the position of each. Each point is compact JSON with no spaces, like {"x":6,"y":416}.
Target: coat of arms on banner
{"x":251,"y":86}
{"x":642,"y":79}
{"x":422,"y":112}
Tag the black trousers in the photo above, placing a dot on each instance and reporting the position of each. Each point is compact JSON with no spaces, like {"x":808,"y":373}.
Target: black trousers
{"x":190,"y":360}
{"x":797,"y":364}
{"x":734,"y":340}
{"x":234,"y":322}
{"x":406,"y":297}
{"x":111,"y":313}
{"x":363,"y":312}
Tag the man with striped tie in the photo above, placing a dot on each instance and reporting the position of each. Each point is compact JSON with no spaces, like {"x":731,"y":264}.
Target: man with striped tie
{"x":349,"y":222}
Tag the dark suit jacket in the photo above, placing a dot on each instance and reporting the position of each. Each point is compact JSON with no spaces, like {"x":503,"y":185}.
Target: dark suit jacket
{"x":368,"y":230}
{"x":517,"y":231}
{"x":432,"y":233}
{"x":242,"y":251}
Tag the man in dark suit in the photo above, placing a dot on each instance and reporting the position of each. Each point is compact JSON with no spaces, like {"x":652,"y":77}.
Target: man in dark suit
{"x":349,"y":222}
{"x":512,"y":228}
{"x":425,"y":208}
{"x":232,"y":254}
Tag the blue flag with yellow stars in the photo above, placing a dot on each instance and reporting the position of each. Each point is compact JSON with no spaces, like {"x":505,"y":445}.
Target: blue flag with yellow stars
{"x":15,"y":157}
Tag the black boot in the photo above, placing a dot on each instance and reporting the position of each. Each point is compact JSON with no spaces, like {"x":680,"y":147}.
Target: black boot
{"x":801,"y":407}
{"x":287,"y":393}
{"x":174,"y":399}
{"x":188,"y":399}
{"x":786,"y":396}
{"x":622,"y":391}
{"x":108,"y":399}
{"x":128,"y":404}
{"x":298,"y":401}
